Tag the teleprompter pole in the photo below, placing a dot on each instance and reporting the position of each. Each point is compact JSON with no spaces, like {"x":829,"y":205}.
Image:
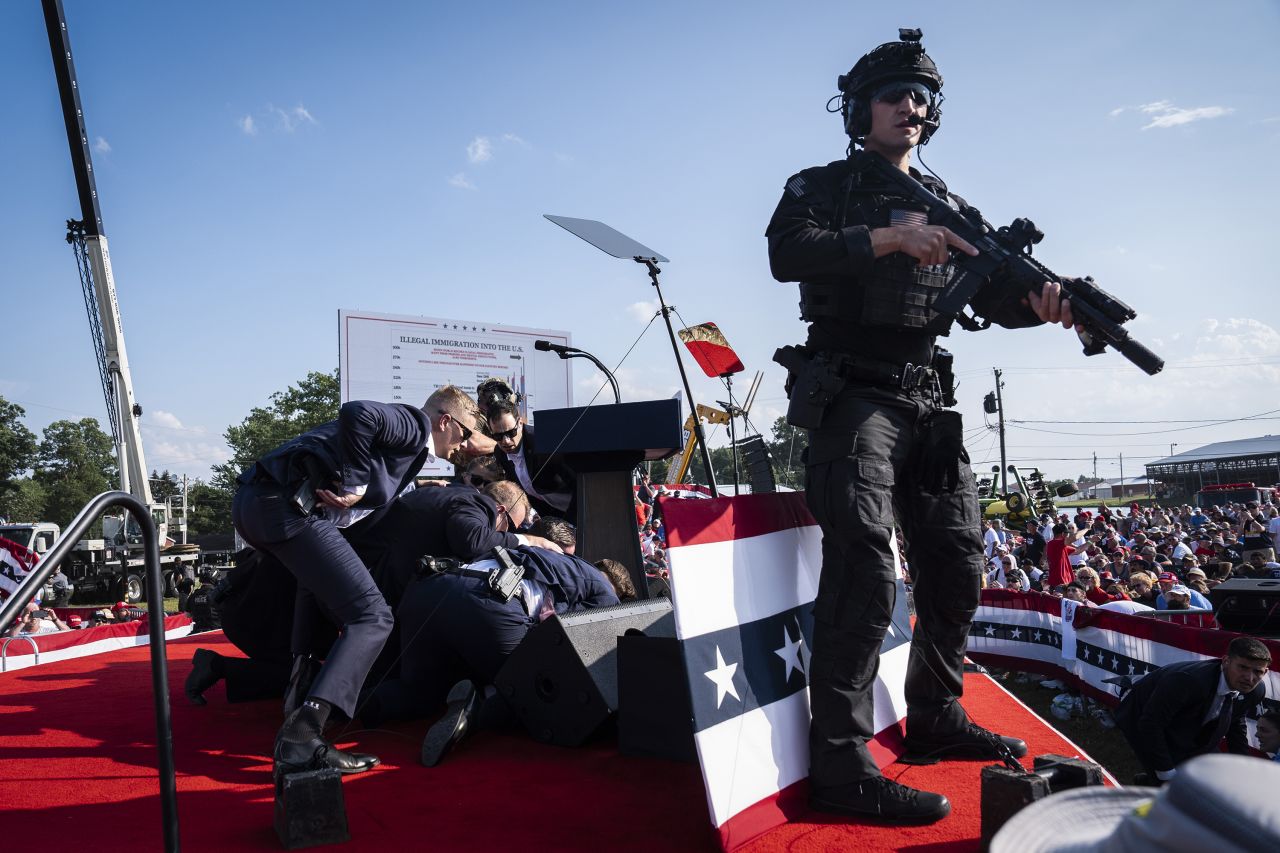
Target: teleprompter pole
{"x":684,"y":378}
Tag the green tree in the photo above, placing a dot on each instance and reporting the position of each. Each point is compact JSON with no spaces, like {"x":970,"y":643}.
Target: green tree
{"x":785,"y":451}
{"x":164,"y":485}
{"x":24,"y":501}
{"x":293,"y":411}
{"x":208,"y":509}
{"x":76,"y":461}
{"x":17,"y":446}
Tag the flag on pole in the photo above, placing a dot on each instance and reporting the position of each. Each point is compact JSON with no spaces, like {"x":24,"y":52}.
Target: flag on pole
{"x":744,"y":574}
{"x":709,"y":347}
{"x":15,"y":562}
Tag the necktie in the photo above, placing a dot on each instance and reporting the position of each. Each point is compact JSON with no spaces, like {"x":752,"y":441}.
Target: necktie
{"x":1224,"y":722}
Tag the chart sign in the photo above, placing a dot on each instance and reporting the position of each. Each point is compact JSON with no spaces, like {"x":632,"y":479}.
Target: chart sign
{"x":402,"y":359}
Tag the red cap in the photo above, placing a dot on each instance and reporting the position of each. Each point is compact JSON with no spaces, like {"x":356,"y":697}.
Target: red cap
{"x":73,"y":619}
{"x":119,"y":605}
{"x":1169,"y":576}
{"x":1106,"y":576}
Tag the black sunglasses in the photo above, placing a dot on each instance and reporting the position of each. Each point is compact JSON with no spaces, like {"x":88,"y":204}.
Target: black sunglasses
{"x":891,"y":93}
{"x":466,"y":433}
{"x":511,"y":433}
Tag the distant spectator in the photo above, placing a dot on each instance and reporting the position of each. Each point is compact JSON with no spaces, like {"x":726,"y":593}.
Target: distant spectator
{"x":35,"y":621}
{"x":1268,"y":731}
{"x":1057,"y":553}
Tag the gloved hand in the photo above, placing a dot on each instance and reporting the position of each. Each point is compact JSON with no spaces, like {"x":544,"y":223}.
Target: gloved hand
{"x":942,"y":452}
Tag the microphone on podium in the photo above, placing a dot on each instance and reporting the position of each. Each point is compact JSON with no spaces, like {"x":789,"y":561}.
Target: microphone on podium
{"x":560,"y":349}
{"x":573,"y":352}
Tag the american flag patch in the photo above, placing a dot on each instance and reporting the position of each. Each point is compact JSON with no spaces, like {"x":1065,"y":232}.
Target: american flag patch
{"x":908,"y":217}
{"x":796,"y":186}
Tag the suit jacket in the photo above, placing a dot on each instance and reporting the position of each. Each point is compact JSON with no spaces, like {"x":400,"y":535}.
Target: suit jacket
{"x":443,"y":521}
{"x":379,"y":446}
{"x":551,"y":475}
{"x":1163,"y":715}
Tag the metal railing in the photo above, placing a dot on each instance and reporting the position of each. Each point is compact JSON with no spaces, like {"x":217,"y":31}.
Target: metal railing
{"x":4,"y":650}
{"x":35,"y":580}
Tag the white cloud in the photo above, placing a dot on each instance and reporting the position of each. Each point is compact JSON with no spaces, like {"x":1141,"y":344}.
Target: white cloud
{"x":101,"y":145}
{"x":180,"y":449}
{"x":247,"y":125}
{"x":643,"y":311}
{"x":1165,"y":114}
{"x":515,"y":140}
{"x":480,"y":149}
{"x":291,"y":119}
{"x":161,"y":418}
{"x":461,"y":181}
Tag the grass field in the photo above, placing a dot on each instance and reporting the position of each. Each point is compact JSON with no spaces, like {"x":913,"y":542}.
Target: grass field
{"x":1108,"y":747}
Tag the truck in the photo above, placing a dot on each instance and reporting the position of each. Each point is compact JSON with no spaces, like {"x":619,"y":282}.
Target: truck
{"x":100,"y":570}
{"x":1232,"y":493}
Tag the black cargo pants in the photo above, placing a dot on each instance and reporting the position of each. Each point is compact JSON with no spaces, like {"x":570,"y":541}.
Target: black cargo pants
{"x":860,"y":474}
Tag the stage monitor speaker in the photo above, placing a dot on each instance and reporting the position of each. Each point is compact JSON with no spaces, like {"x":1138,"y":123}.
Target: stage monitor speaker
{"x":1248,"y":605}
{"x":562,"y":680}
{"x":759,"y":469}
{"x":655,"y":713}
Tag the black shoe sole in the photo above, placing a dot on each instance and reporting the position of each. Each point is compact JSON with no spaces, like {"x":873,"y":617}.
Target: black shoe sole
{"x":453,"y":726}
{"x":926,"y":754}
{"x":820,"y":805}
{"x":201,"y":671}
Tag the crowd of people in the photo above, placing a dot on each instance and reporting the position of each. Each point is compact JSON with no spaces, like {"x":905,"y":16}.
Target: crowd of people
{"x":1156,"y":559}
{"x":1151,"y":558}
{"x":37,"y":619}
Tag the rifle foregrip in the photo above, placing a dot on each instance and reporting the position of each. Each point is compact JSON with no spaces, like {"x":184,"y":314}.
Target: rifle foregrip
{"x":1140,"y":355}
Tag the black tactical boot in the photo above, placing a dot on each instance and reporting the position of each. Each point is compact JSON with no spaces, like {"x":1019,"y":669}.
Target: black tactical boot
{"x":881,"y":800}
{"x":973,"y":741}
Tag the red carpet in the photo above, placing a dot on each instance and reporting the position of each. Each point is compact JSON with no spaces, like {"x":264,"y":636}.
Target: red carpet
{"x":77,"y":767}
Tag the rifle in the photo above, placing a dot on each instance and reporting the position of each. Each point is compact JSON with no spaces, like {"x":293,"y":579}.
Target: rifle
{"x":1007,"y":251}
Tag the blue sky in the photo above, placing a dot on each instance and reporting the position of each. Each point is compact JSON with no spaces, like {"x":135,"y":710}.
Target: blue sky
{"x":262,"y":165}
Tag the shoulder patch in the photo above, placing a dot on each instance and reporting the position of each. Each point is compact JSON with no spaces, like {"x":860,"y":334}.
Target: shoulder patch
{"x":796,"y":186}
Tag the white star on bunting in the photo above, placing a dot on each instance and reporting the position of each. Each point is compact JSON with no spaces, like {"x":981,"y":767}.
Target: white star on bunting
{"x":722,"y":675}
{"x":790,"y":653}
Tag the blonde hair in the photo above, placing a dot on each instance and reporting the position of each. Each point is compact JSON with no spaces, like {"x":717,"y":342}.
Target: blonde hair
{"x":453,"y":401}
{"x":505,"y":492}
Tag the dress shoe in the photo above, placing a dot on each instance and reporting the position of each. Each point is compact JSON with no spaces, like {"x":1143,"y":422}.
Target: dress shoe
{"x":201,"y":677}
{"x":973,"y":741}
{"x":316,"y":753}
{"x":457,"y":723}
{"x":881,"y":800}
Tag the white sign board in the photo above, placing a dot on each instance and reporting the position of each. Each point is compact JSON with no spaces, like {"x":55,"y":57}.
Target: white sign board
{"x":402,"y":359}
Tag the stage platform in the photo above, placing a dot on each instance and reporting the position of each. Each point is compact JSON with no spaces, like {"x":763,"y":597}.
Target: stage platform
{"x":78,"y":759}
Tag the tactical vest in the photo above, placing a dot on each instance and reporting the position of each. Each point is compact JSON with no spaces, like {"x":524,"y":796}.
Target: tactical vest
{"x":896,"y":292}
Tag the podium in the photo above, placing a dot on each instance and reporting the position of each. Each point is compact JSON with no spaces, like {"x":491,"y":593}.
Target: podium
{"x":603,"y":445}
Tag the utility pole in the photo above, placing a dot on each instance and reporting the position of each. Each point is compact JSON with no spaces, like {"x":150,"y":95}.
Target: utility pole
{"x":1122,"y":475}
{"x":1004,"y":462}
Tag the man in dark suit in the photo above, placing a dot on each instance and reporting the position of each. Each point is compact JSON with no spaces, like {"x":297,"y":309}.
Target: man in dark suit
{"x":545,"y":478}
{"x":441,"y":521}
{"x":453,"y":627}
{"x":1185,"y":709}
{"x":294,"y":502}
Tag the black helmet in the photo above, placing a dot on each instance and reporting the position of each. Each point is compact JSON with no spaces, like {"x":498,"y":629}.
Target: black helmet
{"x":902,"y":60}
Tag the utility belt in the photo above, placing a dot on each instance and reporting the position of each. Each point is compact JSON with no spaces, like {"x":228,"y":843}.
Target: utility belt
{"x":815,"y":377}
{"x":503,"y":581}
